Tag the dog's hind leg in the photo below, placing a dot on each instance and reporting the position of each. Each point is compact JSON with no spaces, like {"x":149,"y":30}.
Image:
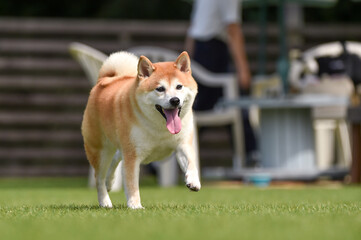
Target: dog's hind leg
{"x":114,"y":178}
{"x":105,"y":155}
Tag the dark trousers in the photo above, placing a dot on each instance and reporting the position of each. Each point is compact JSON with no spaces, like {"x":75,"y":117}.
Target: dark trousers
{"x":214,"y":56}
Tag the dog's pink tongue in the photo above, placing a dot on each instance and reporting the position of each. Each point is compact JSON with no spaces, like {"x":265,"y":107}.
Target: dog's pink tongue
{"x":174,"y":123}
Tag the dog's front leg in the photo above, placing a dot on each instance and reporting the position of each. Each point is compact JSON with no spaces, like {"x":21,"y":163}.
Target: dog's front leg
{"x":186,"y":157}
{"x":131,"y":179}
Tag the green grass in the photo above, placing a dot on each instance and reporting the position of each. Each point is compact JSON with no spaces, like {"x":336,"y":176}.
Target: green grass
{"x":66,"y":209}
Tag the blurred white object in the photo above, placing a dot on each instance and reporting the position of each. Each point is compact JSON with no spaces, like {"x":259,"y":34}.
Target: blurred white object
{"x":303,"y":76}
{"x":304,"y":67}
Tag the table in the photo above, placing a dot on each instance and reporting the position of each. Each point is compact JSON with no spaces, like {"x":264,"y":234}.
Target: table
{"x":286,"y":127}
{"x":354,"y":117}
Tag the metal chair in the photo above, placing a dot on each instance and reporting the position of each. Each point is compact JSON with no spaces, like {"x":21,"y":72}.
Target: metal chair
{"x":89,"y":58}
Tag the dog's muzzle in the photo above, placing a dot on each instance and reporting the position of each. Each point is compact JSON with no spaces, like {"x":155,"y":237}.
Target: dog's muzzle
{"x":161,"y":111}
{"x":172,"y":117}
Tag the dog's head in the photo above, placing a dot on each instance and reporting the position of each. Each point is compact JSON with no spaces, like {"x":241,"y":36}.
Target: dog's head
{"x":167,"y":88}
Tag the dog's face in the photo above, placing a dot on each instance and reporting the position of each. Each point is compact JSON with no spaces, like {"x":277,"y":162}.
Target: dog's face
{"x":167,"y":88}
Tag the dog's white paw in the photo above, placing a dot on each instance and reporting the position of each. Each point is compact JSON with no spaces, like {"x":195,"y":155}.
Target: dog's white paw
{"x":106,"y":202}
{"x":134,"y":203}
{"x":135,"y":206}
{"x":192,"y":181}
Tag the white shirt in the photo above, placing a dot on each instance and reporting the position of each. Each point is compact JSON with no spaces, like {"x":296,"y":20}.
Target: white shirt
{"x":211,"y":17}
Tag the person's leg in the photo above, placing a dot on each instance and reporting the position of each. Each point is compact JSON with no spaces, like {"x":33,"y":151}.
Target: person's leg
{"x":212,"y":55}
{"x":250,"y":140}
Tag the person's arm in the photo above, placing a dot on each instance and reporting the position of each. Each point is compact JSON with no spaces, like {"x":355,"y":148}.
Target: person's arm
{"x":238,"y":52}
{"x":189,"y":46}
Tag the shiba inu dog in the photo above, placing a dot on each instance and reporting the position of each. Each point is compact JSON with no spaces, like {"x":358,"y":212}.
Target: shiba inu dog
{"x":144,"y":110}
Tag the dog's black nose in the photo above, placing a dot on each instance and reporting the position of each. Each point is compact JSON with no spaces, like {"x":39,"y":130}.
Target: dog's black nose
{"x":174,"y":101}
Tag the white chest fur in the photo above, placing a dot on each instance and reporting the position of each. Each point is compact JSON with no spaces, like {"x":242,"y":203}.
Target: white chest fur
{"x":154,"y":144}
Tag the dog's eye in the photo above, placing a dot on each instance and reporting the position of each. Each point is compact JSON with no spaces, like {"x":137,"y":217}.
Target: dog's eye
{"x":160,"y":89}
{"x":179,"y":87}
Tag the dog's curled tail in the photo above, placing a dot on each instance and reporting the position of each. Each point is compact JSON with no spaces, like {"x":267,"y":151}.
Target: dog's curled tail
{"x":119,"y":64}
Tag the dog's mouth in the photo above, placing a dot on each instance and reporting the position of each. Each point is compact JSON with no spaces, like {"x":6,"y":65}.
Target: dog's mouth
{"x":172,"y":117}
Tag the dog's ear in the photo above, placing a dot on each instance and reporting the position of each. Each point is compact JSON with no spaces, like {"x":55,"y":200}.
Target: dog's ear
{"x":145,"y":67}
{"x":183,"y":62}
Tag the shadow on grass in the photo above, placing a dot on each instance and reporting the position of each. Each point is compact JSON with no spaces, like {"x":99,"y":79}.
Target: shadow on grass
{"x":74,"y":207}
{"x":95,"y":207}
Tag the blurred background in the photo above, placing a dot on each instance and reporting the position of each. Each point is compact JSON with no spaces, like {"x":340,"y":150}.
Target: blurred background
{"x":43,"y":91}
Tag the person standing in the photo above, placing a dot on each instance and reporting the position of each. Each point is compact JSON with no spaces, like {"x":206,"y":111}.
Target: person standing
{"x":215,"y":40}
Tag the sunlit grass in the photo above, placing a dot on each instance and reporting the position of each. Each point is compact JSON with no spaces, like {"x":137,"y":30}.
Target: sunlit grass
{"x":66,"y":209}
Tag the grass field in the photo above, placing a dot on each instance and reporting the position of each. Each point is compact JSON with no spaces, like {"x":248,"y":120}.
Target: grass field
{"x":66,"y":209}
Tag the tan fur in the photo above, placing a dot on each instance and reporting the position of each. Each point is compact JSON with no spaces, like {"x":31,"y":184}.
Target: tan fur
{"x":119,"y":115}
